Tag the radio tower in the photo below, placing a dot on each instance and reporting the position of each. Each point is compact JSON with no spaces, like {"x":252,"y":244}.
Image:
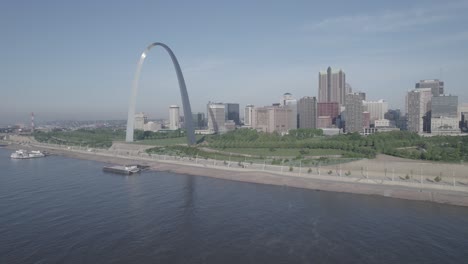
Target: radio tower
{"x":32,"y":121}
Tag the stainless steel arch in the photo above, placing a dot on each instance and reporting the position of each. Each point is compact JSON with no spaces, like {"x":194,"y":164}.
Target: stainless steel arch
{"x":183,"y":93}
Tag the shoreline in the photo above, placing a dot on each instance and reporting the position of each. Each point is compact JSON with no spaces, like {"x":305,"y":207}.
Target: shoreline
{"x":366,"y":187}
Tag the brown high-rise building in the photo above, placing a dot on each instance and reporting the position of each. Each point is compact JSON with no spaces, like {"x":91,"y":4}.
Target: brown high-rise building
{"x":332,"y":86}
{"x":331,"y":109}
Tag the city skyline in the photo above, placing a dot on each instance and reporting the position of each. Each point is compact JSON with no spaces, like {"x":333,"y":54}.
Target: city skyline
{"x":71,"y":70}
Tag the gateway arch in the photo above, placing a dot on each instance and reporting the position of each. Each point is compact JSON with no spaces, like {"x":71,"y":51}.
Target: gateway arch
{"x":183,"y":93}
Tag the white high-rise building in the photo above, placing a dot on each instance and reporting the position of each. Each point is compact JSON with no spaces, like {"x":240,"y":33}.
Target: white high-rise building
{"x":216,"y":117}
{"x":376,"y":109}
{"x":288,"y":101}
{"x":248,"y":115}
{"x":140,"y":120}
{"x":174,"y":117}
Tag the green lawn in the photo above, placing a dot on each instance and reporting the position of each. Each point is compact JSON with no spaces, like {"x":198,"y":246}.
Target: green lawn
{"x":283,"y":152}
{"x":166,"y":141}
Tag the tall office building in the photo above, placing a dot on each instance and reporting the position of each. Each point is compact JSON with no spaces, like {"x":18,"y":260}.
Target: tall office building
{"x":216,"y":117}
{"x":307,"y":111}
{"x":198,"y":120}
{"x":377,"y":109}
{"x":271,"y":119}
{"x":290,"y":102}
{"x":330,"y":109}
{"x":332,"y":86}
{"x":418,"y":107}
{"x":232,"y":113}
{"x":444,"y":115}
{"x":437,"y":86}
{"x":353,"y":113}
{"x":248,"y":115}
{"x":140,"y":120}
{"x":174,"y":117}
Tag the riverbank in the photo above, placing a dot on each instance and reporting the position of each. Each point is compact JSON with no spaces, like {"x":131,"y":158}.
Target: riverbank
{"x":367,"y":186}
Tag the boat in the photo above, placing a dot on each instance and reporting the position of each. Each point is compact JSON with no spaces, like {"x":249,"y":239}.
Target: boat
{"x":127,"y":169}
{"x":23,"y":154}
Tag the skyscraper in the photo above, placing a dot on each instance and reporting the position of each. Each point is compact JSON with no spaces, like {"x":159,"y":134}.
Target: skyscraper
{"x":437,"y":87}
{"x":307,"y":111}
{"x":418,"y":107}
{"x":332,"y":86}
{"x":216,"y":117}
{"x":248,"y":115}
{"x":174,"y":117}
{"x":353,"y":113}
{"x":232,"y":113}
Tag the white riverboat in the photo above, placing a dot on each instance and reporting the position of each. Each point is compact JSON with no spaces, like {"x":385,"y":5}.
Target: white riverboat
{"x":23,"y":154}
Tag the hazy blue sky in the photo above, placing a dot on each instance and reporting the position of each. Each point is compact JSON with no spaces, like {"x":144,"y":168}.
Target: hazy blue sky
{"x":76,"y":59}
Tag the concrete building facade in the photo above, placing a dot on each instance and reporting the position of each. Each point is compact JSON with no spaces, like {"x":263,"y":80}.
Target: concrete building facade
{"x":307,"y":111}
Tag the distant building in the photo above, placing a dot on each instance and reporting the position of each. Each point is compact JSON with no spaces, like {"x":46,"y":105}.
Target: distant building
{"x":248,"y":115}
{"x":444,"y":105}
{"x":290,"y":102}
{"x":382,"y":123}
{"x":377,"y":109}
{"x":418,"y":108}
{"x":230,"y":125}
{"x":140,"y":120}
{"x":324,"y":122}
{"x":353,"y":113}
{"x":307,"y":111}
{"x":199,"y":121}
{"x":271,"y":119}
{"x":174,"y":117}
{"x":436,"y":86}
{"x":362,"y":95}
{"x":464,"y":122}
{"x":232,"y":113}
{"x":332,"y":86}
{"x":365,"y":119}
{"x":331,"y":109}
{"x":152,"y":126}
{"x":444,"y":115}
{"x":216,"y":117}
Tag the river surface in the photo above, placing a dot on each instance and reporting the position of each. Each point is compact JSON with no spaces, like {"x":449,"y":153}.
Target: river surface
{"x":62,"y":210}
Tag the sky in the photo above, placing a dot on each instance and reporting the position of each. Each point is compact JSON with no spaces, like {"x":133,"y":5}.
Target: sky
{"x":75,"y":60}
